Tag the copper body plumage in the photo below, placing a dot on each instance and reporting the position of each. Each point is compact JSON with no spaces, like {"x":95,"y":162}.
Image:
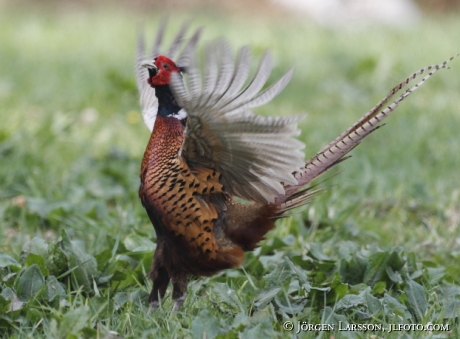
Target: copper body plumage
{"x":195,"y":234}
{"x":207,"y":148}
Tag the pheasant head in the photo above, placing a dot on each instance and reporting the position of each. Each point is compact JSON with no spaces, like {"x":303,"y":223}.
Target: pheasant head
{"x":160,"y":70}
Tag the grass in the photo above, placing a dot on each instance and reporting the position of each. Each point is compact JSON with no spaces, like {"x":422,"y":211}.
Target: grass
{"x":381,"y":246}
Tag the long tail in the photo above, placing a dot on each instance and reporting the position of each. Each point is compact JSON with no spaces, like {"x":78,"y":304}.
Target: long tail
{"x":334,"y":152}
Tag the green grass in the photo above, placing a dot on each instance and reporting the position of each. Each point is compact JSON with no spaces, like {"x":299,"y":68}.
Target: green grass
{"x":381,"y":246}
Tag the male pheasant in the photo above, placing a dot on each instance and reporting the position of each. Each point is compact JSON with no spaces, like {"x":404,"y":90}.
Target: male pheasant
{"x":207,"y":147}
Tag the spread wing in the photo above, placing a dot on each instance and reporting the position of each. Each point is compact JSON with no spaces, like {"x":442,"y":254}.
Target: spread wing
{"x":255,"y":154}
{"x":176,"y":51}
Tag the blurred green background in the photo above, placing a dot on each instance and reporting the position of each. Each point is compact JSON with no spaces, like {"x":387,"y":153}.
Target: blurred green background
{"x":70,"y":106}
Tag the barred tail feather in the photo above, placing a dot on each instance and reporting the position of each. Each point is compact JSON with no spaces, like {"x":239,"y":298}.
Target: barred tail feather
{"x":297,"y":199}
{"x":334,"y":152}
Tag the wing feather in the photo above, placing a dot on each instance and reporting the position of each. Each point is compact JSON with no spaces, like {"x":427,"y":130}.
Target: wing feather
{"x":141,"y":74}
{"x":178,"y":40}
{"x":210,"y":76}
{"x":239,"y":77}
{"x":185,"y":56}
{"x":194,"y":81}
{"x":255,"y":154}
{"x":225,"y":73}
{"x":156,"y":48}
{"x":259,"y":80}
{"x":271,"y":92}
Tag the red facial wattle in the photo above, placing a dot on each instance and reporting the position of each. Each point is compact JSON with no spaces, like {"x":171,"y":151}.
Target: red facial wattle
{"x":165,"y":68}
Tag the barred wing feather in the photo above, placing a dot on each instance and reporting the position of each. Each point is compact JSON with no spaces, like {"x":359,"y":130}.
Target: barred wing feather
{"x":254,"y":154}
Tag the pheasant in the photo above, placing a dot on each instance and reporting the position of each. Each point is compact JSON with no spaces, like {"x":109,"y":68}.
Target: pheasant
{"x":207,"y":152}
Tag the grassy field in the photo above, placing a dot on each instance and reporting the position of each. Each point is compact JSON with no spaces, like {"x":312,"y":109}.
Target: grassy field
{"x":381,"y":246}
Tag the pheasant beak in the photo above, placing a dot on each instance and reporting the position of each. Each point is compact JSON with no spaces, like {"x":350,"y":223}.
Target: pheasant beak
{"x":151,"y":67}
